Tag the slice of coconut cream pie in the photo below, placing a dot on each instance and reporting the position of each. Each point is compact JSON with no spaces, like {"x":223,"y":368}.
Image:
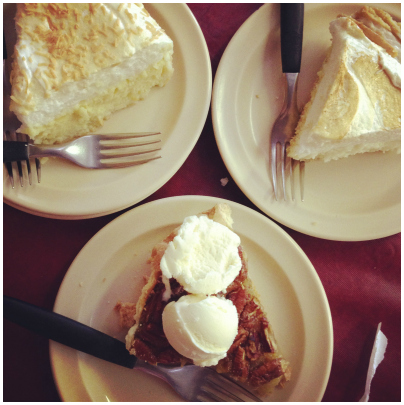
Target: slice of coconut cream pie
{"x":355,"y":106}
{"x":74,"y":64}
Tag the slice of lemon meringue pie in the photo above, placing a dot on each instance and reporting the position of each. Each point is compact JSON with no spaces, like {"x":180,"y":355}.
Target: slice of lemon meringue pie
{"x":355,"y":105}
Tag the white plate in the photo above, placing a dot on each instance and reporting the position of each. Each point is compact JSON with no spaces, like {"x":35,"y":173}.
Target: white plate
{"x":357,"y":198}
{"x":111,"y":267}
{"x":178,"y":111}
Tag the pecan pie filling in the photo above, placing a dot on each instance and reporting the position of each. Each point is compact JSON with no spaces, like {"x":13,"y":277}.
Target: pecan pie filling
{"x":249,"y":359}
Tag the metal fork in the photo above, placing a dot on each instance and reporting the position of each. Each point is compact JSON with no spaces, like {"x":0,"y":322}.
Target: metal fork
{"x":10,"y":125}
{"x":92,"y":151}
{"x":200,"y":384}
{"x":284,"y":126}
{"x":193,"y":383}
{"x":11,"y":135}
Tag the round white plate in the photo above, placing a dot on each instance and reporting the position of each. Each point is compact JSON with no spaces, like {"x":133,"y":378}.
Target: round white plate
{"x":357,"y":198}
{"x":111,"y":268}
{"x":178,"y":111}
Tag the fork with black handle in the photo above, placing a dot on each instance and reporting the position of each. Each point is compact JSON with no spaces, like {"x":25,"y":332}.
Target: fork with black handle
{"x":10,"y":125}
{"x":193,"y":383}
{"x":291,"y":21}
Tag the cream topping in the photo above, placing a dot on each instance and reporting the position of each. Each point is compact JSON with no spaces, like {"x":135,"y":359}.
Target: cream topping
{"x":73,"y":50}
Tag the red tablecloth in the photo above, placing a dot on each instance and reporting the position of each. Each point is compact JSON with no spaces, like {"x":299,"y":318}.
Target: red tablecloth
{"x":361,"y":279}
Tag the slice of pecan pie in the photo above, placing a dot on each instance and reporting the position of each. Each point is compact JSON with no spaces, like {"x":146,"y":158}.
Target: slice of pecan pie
{"x":253,"y":357}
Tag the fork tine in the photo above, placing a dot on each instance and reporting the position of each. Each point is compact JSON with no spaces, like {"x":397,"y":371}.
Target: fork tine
{"x":110,"y":165}
{"x":9,"y":165}
{"x":120,"y":136}
{"x":37,"y":164}
{"x":20,"y":173}
{"x":292,"y":178}
{"x":274,"y":170}
{"x":302,"y":167}
{"x":126,"y":145}
{"x":9,"y":168}
{"x":127,"y":154}
{"x":19,"y":164}
{"x":228,"y":388}
{"x":29,"y":171}
{"x":28,"y":164}
{"x":208,"y":398}
{"x":283,"y":164}
{"x":14,"y":137}
{"x":38,"y":169}
{"x":218,"y":393}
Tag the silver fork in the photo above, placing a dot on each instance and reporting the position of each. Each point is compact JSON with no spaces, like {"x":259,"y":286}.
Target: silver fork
{"x":200,"y":384}
{"x":10,"y":125}
{"x":284,"y":126}
{"x":193,"y":383}
{"x":11,"y":135}
{"x":92,"y":151}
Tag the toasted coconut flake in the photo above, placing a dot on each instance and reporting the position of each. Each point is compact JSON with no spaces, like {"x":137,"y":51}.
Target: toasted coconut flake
{"x":70,"y":42}
{"x":129,"y":15}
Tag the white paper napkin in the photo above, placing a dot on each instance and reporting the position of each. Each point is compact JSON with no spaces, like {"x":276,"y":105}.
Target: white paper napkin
{"x":379,"y":348}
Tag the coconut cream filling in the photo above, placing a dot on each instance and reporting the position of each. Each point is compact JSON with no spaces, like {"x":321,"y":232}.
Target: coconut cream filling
{"x":67,"y":54}
{"x":72,"y":93}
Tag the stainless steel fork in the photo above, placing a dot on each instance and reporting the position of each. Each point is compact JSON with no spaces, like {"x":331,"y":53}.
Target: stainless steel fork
{"x":200,"y":384}
{"x":283,"y":130}
{"x":12,"y":136}
{"x":10,"y":125}
{"x":193,"y":383}
{"x":93,"y":151}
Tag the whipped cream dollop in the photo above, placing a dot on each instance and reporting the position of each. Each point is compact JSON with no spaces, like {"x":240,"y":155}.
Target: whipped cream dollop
{"x":203,"y":257}
{"x":201,"y":328}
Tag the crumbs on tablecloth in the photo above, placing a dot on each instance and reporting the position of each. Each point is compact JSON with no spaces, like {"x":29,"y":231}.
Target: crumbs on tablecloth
{"x":224,"y":181}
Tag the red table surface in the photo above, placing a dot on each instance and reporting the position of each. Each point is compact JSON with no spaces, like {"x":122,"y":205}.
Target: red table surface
{"x":361,"y":279}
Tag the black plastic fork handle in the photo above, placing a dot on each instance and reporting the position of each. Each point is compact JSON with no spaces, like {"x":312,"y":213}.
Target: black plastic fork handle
{"x":67,"y":331}
{"x":14,"y":151}
{"x":292,"y":19}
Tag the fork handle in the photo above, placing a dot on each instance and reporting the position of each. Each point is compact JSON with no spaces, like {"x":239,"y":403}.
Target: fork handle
{"x":292,"y":17}
{"x":15,"y":151}
{"x":67,"y":331}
